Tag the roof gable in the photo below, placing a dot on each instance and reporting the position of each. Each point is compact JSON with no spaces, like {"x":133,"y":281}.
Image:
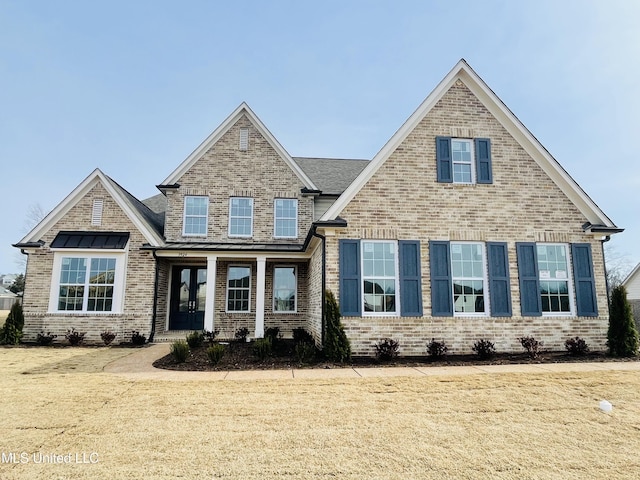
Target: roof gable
{"x":133,"y":208}
{"x":463,"y":72}
{"x":243,"y":109}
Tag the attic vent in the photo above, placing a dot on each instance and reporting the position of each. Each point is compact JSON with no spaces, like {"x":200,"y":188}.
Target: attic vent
{"x":244,"y":139}
{"x":96,"y":212}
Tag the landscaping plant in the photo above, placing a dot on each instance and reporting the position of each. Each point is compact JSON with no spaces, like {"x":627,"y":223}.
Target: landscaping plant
{"x":180,"y":351}
{"x":576,"y":346}
{"x":484,"y":349}
{"x":387,"y":349}
{"x":107,"y":337}
{"x":215,"y":353}
{"x":45,"y":339}
{"x":195,"y":339}
{"x":436,"y":350}
{"x":74,"y":337}
{"x":337,"y":347}
{"x":11,"y":332}
{"x":242,"y":334}
{"x":531,"y":345}
{"x":137,"y":338}
{"x":622,"y":337}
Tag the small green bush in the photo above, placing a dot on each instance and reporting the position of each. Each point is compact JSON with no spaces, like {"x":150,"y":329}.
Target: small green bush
{"x":436,"y":350}
{"x":137,"y":338}
{"x":337,"y":347}
{"x":531,"y":345}
{"x":484,"y":349}
{"x":180,"y":351}
{"x":215,"y":353}
{"x":74,"y":337}
{"x":273,"y":333}
{"x":107,"y":337}
{"x":211,"y":336}
{"x":263,"y":348}
{"x":45,"y":339}
{"x":387,"y":349}
{"x":242,"y":334}
{"x":11,"y":333}
{"x":301,"y":335}
{"x":576,"y":346}
{"x":195,"y":339}
{"x":622,"y":336}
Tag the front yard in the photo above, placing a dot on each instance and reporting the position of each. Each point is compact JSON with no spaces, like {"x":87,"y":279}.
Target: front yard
{"x":57,"y":404}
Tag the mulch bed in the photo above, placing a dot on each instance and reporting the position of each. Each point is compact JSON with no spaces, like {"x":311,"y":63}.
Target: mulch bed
{"x":239,"y":356}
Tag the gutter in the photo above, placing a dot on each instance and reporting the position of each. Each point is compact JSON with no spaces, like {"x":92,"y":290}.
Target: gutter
{"x":606,"y":276}
{"x":323,"y":281}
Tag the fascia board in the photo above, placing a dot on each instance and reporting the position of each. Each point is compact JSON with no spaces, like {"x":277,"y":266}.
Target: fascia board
{"x":631,"y":276}
{"x":243,"y":109}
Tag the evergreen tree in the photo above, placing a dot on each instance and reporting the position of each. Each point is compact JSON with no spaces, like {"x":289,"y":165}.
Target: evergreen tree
{"x":11,"y":333}
{"x":18,"y":284}
{"x":336,"y":344}
{"x":622,"y":335}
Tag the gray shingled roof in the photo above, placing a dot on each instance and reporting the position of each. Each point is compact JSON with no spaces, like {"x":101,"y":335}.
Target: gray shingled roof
{"x":154,"y":219}
{"x":331,"y":175}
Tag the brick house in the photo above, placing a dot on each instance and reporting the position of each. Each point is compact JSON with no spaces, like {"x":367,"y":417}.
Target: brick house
{"x":462,"y":227}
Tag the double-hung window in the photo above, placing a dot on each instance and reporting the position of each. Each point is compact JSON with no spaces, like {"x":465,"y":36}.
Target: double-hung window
{"x":468,"y":278}
{"x":286,"y":218}
{"x":239,"y":289}
{"x":87,"y":283}
{"x":463,"y":160}
{"x":554,"y":277}
{"x":284,"y":289}
{"x":240,"y":217}
{"x":196,"y":211}
{"x":379,"y":277}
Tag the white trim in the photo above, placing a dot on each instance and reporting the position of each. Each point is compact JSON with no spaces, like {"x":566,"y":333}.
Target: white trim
{"x":261,"y":263}
{"x":119,"y":283}
{"x":229,"y":122}
{"x":570,"y":287}
{"x":210,"y":302}
{"x":226,"y":306}
{"x":275,"y":218}
{"x":273,"y":289}
{"x":184,"y":217}
{"x":485,"y":280}
{"x":77,"y":194}
{"x":235,"y":235}
{"x":462,"y":71}
{"x":472,"y":162}
{"x":396,"y":278}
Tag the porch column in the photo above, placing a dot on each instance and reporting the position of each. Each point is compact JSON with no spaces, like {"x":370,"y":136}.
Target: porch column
{"x":260,"y":287}
{"x":209,"y":306}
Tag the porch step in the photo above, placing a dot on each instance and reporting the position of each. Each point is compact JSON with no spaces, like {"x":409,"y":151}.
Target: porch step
{"x":171,"y":336}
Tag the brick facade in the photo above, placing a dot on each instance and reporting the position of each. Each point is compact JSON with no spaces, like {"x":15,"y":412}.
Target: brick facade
{"x":403,"y":200}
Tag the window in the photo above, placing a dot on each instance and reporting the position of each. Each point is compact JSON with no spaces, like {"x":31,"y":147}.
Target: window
{"x":379,"y":277}
{"x":465,"y":161}
{"x":284,"y":289}
{"x":462,"y":154}
{"x":556,"y":279}
{"x":468,"y":278}
{"x":86,"y":284}
{"x":286,"y":218}
{"x":553,"y":274}
{"x":196,"y":211}
{"x":239,"y":289}
{"x":240,"y":217}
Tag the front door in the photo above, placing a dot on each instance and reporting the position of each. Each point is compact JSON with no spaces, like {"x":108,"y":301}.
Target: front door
{"x":188,"y":297}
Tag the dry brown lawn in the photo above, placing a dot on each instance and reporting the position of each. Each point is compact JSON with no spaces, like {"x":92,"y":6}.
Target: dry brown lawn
{"x":57,"y":401}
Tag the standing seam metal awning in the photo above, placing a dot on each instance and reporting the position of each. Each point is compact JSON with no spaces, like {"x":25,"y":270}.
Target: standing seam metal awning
{"x":98,"y":240}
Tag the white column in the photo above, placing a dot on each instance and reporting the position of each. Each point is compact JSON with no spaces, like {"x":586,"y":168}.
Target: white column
{"x":260,"y":287}
{"x":209,"y":306}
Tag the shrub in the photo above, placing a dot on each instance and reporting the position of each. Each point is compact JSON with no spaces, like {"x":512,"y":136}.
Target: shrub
{"x":195,"y":339}
{"x":263,"y":348}
{"x":211,"y":336}
{"x":11,"y":333}
{"x":215,"y":353}
{"x":180,"y":351}
{"x":436,"y":350}
{"x":137,"y":338}
{"x":300,"y":335}
{"x":304,"y":352}
{"x":273,"y":333}
{"x":74,"y":337}
{"x":531,"y":345}
{"x":622,"y":337}
{"x":336,"y":344}
{"x":107,"y":337}
{"x":242,"y":334}
{"x":45,"y":339}
{"x":387,"y":349}
{"x":484,"y":349}
{"x":576,"y":346}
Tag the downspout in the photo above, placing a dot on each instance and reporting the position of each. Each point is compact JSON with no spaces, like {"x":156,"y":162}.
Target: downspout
{"x":26,"y":269}
{"x":606,"y":276}
{"x":324,"y":281}
{"x":155,"y":298}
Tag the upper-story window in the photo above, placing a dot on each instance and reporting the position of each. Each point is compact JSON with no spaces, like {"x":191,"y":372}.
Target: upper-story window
{"x":196,"y":211}
{"x":240,"y":217}
{"x":464,"y":160}
{"x":286,"y":218}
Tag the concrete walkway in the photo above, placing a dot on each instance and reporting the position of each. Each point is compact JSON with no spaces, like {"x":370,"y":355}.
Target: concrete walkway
{"x":138,"y":365}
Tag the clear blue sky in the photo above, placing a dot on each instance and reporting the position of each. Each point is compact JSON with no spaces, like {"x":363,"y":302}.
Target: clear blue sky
{"x":132,"y":87}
